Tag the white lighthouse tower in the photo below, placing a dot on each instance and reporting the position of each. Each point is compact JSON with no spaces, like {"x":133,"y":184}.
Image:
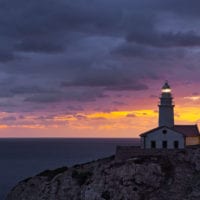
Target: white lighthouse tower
{"x":166,"y":107}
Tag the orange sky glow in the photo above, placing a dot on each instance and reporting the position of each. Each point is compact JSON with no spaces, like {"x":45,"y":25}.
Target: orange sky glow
{"x":128,"y":120}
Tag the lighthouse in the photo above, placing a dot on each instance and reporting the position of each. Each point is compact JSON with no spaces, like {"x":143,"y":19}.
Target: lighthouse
{"x":169,"y":135}
{"x":166,"y":107}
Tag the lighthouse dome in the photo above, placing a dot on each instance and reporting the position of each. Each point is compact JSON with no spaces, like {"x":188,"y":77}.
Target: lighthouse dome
{"x":166,"y":88}
{"x":166,"y":85}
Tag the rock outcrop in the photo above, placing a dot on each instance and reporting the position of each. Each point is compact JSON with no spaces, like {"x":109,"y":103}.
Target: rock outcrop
{"x":146,"y":177}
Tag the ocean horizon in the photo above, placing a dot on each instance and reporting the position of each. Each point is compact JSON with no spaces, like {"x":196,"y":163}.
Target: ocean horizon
{"x":25,"y":157}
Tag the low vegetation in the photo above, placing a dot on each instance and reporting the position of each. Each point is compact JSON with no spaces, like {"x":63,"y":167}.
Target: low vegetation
{"x":52,"y":173}
{"x":106,"y":195}
{"x":81,"y":177}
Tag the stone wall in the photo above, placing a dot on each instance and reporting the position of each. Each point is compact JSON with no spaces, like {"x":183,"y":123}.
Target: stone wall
{"x":127,"y":152}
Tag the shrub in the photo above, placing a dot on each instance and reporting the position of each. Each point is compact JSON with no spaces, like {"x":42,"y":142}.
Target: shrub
{"x":81,"y":177}
{"x":106,"y":195}
{"x":52,"y":173}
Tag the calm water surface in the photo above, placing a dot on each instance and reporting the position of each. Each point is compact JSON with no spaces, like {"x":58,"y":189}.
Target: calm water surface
{"x":22,"y":158}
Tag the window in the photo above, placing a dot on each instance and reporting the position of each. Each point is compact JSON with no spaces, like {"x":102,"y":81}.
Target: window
{"x":164,"y":131}
{"x":176,"y":144}
{"x":164,"y":144}
{"x":153,"y":144}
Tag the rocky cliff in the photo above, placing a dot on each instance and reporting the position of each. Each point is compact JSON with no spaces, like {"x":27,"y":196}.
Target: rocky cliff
{"x":146,"y":177}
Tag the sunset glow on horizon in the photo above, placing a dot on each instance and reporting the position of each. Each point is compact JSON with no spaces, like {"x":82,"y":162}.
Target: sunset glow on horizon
{"x":123,"y":120}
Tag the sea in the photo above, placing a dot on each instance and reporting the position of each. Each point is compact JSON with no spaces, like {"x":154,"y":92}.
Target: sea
{"x":23,"y":158}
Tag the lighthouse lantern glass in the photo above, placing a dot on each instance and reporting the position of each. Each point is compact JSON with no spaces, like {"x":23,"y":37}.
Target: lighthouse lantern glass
{"x":166,"y":90}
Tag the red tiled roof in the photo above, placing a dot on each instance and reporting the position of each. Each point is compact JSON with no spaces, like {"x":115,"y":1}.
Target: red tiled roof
{"x":187,"y":130}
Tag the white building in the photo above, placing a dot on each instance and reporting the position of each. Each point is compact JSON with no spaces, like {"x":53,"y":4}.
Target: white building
{"x":168,"y":135}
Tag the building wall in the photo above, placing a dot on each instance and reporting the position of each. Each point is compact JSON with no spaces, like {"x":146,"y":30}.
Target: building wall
{"x":192,"y":140}
{"x":142,"y":145}
{"x":159,"y":136}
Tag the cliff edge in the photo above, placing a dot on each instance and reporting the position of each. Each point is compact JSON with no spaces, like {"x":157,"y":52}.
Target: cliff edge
{"x":170,"y":176}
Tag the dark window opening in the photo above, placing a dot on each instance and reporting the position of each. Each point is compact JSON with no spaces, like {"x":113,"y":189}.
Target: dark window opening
{"x":153,"y":144}
{"x":164,"y":144}
{"x":176,"y":144}
{"x":164,"y":131}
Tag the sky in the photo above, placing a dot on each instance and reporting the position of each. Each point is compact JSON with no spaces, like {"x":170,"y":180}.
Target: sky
{"x":95,"y":68}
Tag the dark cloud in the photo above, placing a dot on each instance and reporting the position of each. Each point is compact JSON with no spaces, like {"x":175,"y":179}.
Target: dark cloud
{"x":109,"y":78}
{"x":71,"y":95}
{"x":47,"y":117}
{"x":99,"y":118}
{"x":44,"y":98}
{"x":80,"y":51}
{"x":31,"y":90}
{"x":153,"y":96}
{"x":136,"y":86}
{"x":148,"y":54}
{"x":6,"y":56}
{"x":119,"y":103}
{"x":75,"y":108}
{"x":36,"y":45}
{"x":195,"y":93}
{"x":169,"y":39}
{"x":10,"y":118}
{"x":48,"y":26}
{"x":81,"y":117}
{"x":181,"y":7}
{"x":131,"y":115}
